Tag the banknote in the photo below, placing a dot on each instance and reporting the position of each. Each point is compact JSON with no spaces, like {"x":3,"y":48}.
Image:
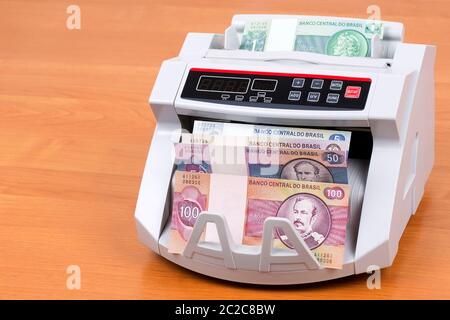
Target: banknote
{"x":189,"y":197}
{"x":318,"y":212}
{"x":211,"y":158}
{"x":194,"y":193}
{"x":324,"y":35}
{"x":260,"y":161}
{"x":238,"y":129}
{"x":337,"y":36}
{"x":297,"y":164}
{"x":193,"y":157}
{"x":255,"y":35}
{"x":264,"y":142}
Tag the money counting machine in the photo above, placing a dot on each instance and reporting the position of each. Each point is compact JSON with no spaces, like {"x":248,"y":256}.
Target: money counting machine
{"x":386,"y":101}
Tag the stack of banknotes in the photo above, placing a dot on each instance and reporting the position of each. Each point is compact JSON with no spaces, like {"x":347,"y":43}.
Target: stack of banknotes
{"x":248,"y":173}
{"x":324,"y":35}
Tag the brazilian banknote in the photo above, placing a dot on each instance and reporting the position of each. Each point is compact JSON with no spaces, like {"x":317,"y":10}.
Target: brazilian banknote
{"x":264,"y":141}
{"x":273,"y":132}
{"x":324,"y":35}
{"x":255,"y":35}
{"x":318,"y":211}
{"x":211,"y":158}
{"x":297,"y":164}
{"x":269,"y":162}
{"x":193,"y":157}
{"x":336,"y":36}
{"x":194,"y":193}
{"x":189,"y":198}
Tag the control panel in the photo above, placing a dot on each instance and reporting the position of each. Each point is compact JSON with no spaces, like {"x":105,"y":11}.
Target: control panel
{"x":276,"y":90}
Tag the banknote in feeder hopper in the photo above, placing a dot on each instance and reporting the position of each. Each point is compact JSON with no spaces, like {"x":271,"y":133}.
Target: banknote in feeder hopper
{"x":194,"y":193}
{"x":255,"y":35}
{"x":297,"y":164}
{"x":264,"y":142}
{"x":317,"y":211}
{"x":252,"y":130}
{"x":337,"y":36}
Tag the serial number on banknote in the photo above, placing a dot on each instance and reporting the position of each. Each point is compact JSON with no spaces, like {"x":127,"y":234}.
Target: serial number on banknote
{"x":191,"y":179}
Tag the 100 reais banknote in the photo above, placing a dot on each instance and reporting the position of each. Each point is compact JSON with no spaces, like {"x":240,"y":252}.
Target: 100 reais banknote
{"x":318,"y":211}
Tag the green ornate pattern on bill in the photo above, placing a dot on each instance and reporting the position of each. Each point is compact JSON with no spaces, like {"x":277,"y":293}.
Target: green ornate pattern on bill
{"x":349,"y":43}
{"x":255,"y":35}
{"x":323,"y":35}
{"x":337,"y":37}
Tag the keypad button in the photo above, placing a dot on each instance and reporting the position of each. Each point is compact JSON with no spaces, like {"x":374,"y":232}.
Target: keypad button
{"x":313,"y":96}
{"x":298,"y":82}
{"x":352,"y":92}
{"x":333,"y":98}
{"x":294,"y":95}
{"x":336,"y":85}
{"x":316,"y":84}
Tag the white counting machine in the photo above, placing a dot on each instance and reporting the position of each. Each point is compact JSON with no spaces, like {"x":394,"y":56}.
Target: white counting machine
{"x":386,"y":101}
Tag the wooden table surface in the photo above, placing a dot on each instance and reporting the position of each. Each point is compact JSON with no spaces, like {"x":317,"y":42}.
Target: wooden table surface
{"x":75,"y":129}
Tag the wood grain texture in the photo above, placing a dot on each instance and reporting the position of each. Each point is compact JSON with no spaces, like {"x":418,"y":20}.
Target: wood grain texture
{"x":75,"y":129}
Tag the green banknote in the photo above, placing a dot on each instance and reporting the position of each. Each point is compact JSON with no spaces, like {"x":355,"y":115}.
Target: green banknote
{"x":255,"y":35}
{"x":336,"y":37}
{"x":324,"y":35}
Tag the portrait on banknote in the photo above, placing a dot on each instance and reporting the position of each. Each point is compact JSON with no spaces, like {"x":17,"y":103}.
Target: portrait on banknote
{"x":310,"y":217}
{"x":304,"y":169}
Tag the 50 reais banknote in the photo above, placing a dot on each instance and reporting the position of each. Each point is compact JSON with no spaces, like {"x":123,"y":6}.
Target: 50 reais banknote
{"x":297,"y":164}
{"x":267,"y":162}
{"x":317,"y":211}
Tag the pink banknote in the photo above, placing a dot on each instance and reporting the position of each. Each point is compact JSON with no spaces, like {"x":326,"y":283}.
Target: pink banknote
{"x":190,"y":193}
{"x":318,"y":212}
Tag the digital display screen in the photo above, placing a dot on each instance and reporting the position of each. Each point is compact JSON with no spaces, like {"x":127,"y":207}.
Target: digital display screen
{"x":223,"y":84}
{"x":264,"y":85}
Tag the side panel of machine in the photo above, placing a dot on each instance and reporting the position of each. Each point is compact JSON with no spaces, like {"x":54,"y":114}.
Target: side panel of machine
{"x":151,"y":210}
{"x":403,"y":131}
